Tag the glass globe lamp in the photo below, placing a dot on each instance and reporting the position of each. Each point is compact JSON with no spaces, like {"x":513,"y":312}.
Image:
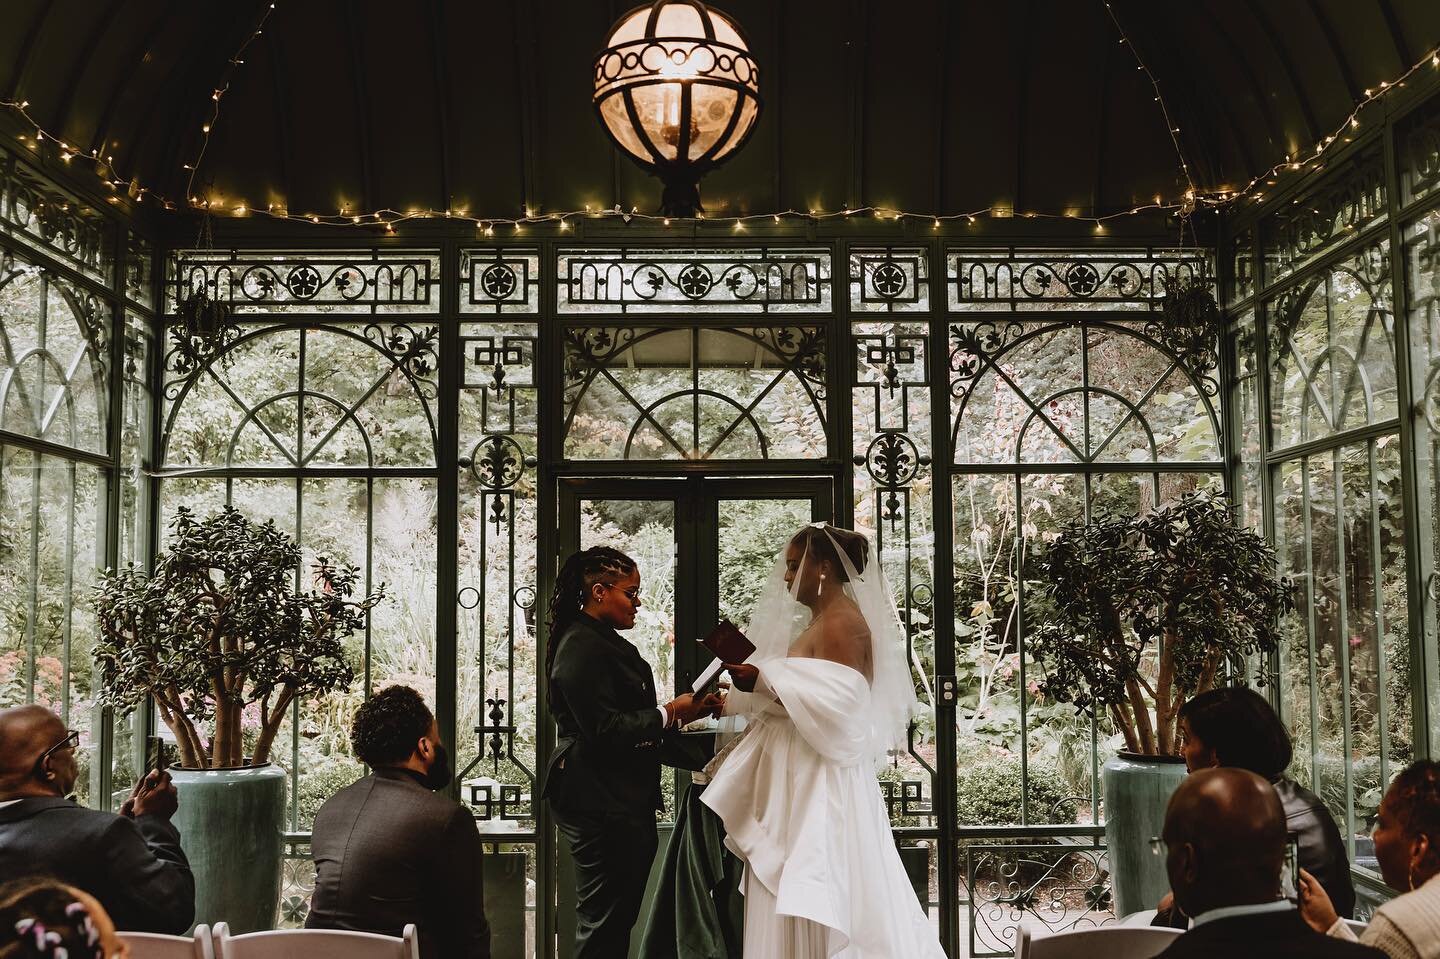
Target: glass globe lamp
{"x":677,"y":90}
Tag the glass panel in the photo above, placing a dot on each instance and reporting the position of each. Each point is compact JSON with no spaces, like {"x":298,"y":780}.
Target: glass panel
{"x":140,"y":271}
{"x":52,"y":522}
{"x":1021,"y":396}
{"x":53,"y":343}
{"x":1348,"y":203}
{"x":1345,"y":680}
{"x":1332,"y":351}
{"x":1245,"y":367}
{"x":336,"y":395}
{"x":644,"y":530}
{"x":1422,"y":254}
{"x":1417,"y":145}
{"x":1241,"y":282}
{"x":695,"y":394}
{"x":499,"y":281}
{"x":749,"y":531}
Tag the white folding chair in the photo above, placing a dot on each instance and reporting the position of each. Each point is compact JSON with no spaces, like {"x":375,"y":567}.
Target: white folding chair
{"x":152,"y":945}
{"x":315,"y":944}
{"x":1112,"y":942}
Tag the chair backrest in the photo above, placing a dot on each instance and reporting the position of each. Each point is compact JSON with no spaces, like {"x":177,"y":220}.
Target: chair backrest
{"x":153,"y":945}
{"x":315,"y":944}
{"x":1112,"y":942}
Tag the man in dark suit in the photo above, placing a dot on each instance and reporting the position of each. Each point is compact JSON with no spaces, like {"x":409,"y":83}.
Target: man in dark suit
{"x":388,"y":850}
{"x":603,"y":781}
{"x":1225,"y":839}
{"x":132,"y":862}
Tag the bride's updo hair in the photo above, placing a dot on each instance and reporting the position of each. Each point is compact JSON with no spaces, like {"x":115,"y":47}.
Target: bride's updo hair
{"x":813,"y":540}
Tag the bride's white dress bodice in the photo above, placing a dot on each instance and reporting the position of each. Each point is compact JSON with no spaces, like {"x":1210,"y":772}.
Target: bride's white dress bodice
{"x":805,"y":812}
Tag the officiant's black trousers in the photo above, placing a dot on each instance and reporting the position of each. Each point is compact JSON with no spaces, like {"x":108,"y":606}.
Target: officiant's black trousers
{"x":613,"y":854}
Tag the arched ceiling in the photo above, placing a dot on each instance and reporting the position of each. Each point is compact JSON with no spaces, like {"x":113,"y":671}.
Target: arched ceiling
{"x":924,"y":105}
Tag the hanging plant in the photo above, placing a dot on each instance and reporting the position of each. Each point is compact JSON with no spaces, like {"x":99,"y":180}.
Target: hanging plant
{"x":1190,"y":326}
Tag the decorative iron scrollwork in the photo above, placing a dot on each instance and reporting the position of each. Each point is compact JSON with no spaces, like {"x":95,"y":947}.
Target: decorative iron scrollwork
{"x":973,"y":347}
{"x":45,"y":218}
{"x":622,"y":281}
{"x":370,"y":281}
{"x":1348,"y":202}
{"x":1059,"y":887}
{"x":411,"y":350}
{"x":1119,"y":280}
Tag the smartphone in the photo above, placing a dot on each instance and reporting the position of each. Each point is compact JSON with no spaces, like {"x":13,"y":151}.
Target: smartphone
{"x":1290,"y":870}
{"x":155,"y":758}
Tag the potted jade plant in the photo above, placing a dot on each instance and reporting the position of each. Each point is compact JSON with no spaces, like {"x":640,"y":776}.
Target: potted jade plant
{"x":1145,"y":612}
{"x":219,"y":636}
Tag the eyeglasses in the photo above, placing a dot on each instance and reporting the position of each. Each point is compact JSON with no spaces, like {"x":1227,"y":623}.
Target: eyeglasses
{"x":632,"y":594}
{"x":1157,"y":846}
{"x":71,"y":741}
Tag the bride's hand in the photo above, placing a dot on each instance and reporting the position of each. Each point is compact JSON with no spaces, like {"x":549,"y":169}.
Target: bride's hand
{"x":743,"y":676}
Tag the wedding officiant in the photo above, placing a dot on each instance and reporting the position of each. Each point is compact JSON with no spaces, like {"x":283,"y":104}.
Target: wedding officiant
{"x":612,"y":736}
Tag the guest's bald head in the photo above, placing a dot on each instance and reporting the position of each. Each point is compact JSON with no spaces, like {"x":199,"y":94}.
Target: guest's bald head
{"x":1225,"y":831}
{"x":25,"y":733}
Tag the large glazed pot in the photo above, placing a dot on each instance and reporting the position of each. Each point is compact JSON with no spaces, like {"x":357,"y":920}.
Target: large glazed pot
{"x":231,"y":824}
{"x":1136,"y":790}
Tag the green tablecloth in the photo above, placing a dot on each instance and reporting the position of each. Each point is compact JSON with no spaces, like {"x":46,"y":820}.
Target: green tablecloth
{"x":698,"y":911}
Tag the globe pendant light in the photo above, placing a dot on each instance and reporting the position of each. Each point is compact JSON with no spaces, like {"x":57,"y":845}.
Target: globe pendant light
{"x":677,"y":90}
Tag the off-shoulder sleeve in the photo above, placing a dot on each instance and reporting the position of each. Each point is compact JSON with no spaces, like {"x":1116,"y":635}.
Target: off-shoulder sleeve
{"x":827,"y":702}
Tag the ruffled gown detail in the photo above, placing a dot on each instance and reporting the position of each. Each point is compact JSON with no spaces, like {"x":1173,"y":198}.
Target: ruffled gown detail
{"x":804,"y":811}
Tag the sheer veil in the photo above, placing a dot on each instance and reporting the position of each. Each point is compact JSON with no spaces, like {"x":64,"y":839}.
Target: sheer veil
{"x":779,"y":617}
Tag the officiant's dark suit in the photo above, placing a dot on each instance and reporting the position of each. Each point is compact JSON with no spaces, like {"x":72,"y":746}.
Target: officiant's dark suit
{"x":603,"y":781}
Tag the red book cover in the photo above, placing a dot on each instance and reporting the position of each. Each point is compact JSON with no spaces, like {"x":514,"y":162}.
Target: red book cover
{"x":728,"y":643}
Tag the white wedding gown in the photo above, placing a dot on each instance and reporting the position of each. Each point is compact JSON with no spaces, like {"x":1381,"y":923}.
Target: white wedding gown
{"x":803,"y":810}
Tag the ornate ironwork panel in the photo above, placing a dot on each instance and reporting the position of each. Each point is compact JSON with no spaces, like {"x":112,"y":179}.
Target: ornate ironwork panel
{"x":1016,"y":280}
{"x":498,"y":659}
{"x":1332,"y":350}
{"x":738,"y":280}
{"x":140,"y":271}
{"x":1418,"y":147}
{"x":496,"y":280}
{"x":44,"y":217}
{"x":300,"y":398}
{"x":1349,"y":200}
{"x":1240,"y":284}
{"x":1021,"y":397}
{"x":889,"y":280}
{"x":361,"y":281}
{"x":1053,"y":888}
{"x":297,"y":884}
{"x":694,"y":394}
{"x":54,"y":357}
{"x":890,"y":410}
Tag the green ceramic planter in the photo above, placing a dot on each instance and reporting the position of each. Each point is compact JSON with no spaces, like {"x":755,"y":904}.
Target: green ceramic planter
{"x":231,"y":824}
{"x":1137,"y":789}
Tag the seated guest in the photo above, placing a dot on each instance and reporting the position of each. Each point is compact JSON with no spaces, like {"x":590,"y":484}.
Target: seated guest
{"x":1407,"y":844}
{"x":1225,"y":840}
{"x":1235,"y":726}
{"x":42,"y":917}
{"x":131,"y":862}
{"x":389,"y":851}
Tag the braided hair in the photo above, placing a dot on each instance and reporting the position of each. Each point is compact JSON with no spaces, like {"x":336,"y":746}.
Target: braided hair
{"x":1415,"y":799}
{"x":42,"y":917}
{"x":581,"y":571}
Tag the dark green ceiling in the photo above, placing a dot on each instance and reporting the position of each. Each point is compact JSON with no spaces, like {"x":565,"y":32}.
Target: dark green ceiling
{"x":924,"y":105}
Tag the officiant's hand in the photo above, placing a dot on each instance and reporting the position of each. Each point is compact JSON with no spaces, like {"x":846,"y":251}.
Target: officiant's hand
{"x":685,"y":708}
{"x":743,"y":676}
{"x":712,"y":704}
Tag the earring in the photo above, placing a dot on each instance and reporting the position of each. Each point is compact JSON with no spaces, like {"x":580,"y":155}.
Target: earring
{"x":821,"y":589}
{"x":1410,"y":877}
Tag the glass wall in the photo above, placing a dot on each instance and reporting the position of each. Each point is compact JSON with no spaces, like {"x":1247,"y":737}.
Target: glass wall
{"x":59,"y":483}
{"x":1333,"y":354}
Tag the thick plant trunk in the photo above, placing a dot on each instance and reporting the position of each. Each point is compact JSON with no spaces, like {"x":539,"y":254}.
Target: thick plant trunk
{"x":270,"y":725}
{"x":1141,"y":709}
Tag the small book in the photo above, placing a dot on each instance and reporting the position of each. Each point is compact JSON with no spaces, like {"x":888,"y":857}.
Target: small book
{"x":729,"y":646}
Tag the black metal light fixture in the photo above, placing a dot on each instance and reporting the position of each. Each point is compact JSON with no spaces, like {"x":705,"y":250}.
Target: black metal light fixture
{"x":677,"y":90}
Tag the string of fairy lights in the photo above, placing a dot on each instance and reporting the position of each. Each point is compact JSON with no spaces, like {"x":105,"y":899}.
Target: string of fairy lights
{"x":387,"y":219}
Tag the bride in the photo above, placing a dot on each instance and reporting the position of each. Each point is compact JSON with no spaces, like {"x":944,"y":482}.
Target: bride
{"x":826,"y":695}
